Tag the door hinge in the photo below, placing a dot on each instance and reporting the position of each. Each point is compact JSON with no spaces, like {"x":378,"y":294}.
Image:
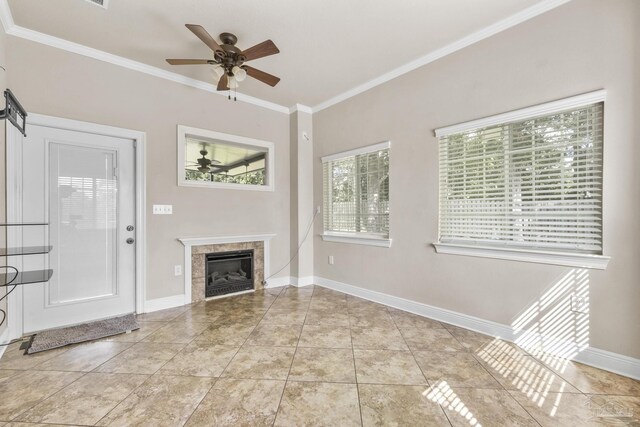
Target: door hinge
{"x":115,"y":172}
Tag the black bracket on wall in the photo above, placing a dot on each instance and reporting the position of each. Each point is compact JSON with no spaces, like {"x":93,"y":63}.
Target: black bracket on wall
{"x":14,"y":112}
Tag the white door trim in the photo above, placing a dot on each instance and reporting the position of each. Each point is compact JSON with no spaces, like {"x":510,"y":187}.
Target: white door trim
{"x":14,"y":197}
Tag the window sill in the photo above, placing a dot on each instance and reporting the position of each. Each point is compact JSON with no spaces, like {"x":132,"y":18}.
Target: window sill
{"x":357,"y":240}
{"x":597,"y":262}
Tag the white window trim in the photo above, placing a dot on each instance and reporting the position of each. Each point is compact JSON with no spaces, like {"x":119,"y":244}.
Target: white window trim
{"x":357,"y":238}
{"x":184,"y":131}
{"x":385,"y":145}
{"x":526,"y":113}
{"x":598,"y":262}
{"x":367,"y":239}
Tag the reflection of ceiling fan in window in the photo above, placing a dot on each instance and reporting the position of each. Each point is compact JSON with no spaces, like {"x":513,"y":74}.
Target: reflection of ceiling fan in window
{"x":212,"y":166}
{"x":205,"y":165}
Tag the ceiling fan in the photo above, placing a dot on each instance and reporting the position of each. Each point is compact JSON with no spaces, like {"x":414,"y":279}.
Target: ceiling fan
{"x":228,"y":60}
{"x":203,"y":164}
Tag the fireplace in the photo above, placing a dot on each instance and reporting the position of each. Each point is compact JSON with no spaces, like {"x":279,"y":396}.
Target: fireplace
{"x":195,"y":260}
{"x":228,"y":272}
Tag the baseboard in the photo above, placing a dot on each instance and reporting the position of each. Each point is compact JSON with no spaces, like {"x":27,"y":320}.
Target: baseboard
{"x":163,"y":303}
{"x":277,"y":282}
{"x":290,"y":280}
{"x":4,"y":338}
{"x":458,"y":319}
{"x":613,"y":362}
{"x":302,"y":281}
{"x":179,"y":300}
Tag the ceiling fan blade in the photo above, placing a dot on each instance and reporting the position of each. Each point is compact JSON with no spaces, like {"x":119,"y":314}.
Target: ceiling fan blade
{"x":202,"y":34}
{"x":260,"y":50}
{"x":187,"y":61}
{"x":223,"y":83}
{"x":262,"y":76}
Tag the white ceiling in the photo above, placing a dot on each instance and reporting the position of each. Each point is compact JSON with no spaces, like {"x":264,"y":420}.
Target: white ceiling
{"x":327,"y":47}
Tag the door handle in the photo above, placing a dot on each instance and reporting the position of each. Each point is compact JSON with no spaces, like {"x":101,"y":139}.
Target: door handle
{"x":130,"y":240}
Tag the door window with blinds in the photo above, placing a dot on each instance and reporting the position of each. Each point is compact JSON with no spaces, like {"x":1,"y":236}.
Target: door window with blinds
{"x":356,"y":195}
{"x":531,"y":184}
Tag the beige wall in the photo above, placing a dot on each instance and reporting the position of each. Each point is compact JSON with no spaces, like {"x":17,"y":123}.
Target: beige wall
{"x":293,"y":203}
{"x":302,"y":209}
{"x":58,"y":83}
{"x":579,"y":47}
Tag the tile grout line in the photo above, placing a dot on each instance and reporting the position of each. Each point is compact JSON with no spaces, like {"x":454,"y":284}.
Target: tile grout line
{"x":508,"y":392}
{"x":48,"y":396}
{"x":174,"y":356}
{"x":126,"y":397}
{"x":149,"y":376}
{"x":246,"y":339}
{"x":416,"y":362}
{"x":286,"y":381}
{"x":355,"y":369}
{"x":228,"y":363}
{"x":84,"y":373}
{"x":503,"y":388}
{"x":158,"y":370}
{"x":231,"y":359}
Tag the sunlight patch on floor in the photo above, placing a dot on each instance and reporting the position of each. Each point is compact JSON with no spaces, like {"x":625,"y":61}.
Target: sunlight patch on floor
{"x":442,"y":394}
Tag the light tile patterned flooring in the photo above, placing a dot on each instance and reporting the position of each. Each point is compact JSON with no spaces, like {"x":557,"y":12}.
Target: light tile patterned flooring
{"x":308,"y":356}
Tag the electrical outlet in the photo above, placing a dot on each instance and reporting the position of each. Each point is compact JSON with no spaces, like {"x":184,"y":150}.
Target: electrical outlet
{"x":318,"y":209}
{"x":330,"y":259}
{"x":177,"y":270}
{"x":162,"y":209}
{"x":579,"y":304}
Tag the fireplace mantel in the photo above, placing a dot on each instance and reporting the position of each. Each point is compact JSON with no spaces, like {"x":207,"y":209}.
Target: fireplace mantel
{"x":190,"y":242}
{"x":193,"y":241}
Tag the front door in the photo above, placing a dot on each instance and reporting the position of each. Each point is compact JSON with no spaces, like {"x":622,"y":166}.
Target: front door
{"x":83,"y":185}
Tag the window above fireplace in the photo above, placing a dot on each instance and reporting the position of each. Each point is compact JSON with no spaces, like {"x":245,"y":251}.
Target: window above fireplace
{"x":217,"y":160}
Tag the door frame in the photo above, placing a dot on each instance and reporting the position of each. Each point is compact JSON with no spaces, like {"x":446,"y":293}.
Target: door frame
{"x":14,"y":202}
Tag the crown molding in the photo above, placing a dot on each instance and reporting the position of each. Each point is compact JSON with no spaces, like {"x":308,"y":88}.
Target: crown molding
{"x":486,"y":32}
{"x":17,"y":31}
{"x":301,"y":108}
{"x":5,"y":16}
{"x":531,"y":12}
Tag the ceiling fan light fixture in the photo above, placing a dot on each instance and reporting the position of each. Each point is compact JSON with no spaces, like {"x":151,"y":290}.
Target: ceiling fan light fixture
{"x":228,"y":60}
{"x":218,"y":71}
{"x":239,"y":73}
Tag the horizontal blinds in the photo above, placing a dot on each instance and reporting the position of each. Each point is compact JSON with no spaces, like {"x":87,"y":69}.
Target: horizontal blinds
{"x":356,"y":193}
{"x":531,"y":183}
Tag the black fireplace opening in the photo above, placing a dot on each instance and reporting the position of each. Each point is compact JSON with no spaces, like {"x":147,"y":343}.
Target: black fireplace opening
{"x":228,"y":272}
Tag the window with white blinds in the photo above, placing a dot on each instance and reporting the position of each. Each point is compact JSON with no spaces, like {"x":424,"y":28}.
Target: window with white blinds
{"x":534,"y":183}
{"x":356,"y":192}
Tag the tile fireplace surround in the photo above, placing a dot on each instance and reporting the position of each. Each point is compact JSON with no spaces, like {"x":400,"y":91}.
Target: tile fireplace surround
{"x":195,"y":252}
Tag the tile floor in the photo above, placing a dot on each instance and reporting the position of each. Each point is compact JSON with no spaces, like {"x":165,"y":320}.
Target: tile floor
{"x":305,"y":357}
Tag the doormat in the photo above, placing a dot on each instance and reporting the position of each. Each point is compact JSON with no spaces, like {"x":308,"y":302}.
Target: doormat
{"x":55,"y":338}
